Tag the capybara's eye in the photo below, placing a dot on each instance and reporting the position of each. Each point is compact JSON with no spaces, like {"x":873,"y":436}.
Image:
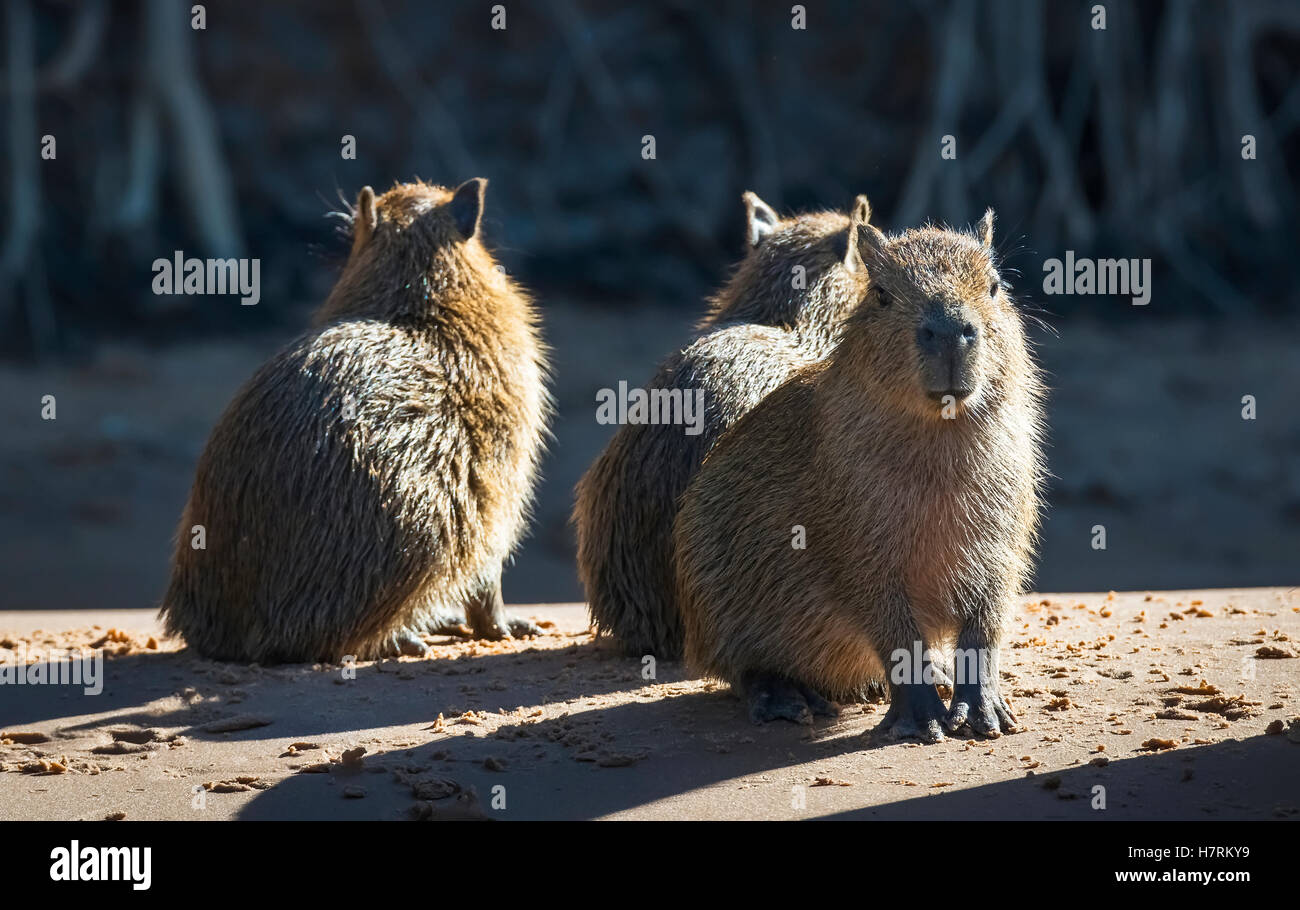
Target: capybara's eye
{"x":993,"y":288}
{"x":883,"y":297}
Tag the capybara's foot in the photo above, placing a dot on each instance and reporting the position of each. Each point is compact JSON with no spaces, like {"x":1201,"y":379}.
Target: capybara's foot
{"x":405,"y":643}
{"x":411,"y":644}
{"x":773,"y":697}
{"x":447,"y":622}
{"x":450,"y":622}
{"x":915,"y":712}
{"x":523,"y":628}
{"x":488,"y":618}
{"x":507,"y":627}
{"x":982,"y":708}
{"x":494,"y":629}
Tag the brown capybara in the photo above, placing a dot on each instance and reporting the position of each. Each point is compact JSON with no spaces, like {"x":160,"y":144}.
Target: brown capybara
{"x":879,"y":504}
{"x":369,"y":480}
{"x":780,"y":311}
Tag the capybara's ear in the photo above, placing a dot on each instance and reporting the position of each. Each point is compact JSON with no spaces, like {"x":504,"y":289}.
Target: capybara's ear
{"x":985,"y":229}
{"x":364,"y":219}
{"x":760,"y":219}
{"x":859,"y":216}
{"x":866,"y":242}
{"x":466,"y":206}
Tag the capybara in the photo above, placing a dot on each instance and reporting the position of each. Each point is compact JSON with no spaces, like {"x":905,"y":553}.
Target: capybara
{"x":368,"y":482}
{"x":781,"y":310}
{"x":881,"y":503}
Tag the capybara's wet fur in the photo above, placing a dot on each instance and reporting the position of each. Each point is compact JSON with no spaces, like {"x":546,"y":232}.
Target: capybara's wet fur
{"x":910,"y":458}
{"x":769,"y":320}
{"x":369,"y":480}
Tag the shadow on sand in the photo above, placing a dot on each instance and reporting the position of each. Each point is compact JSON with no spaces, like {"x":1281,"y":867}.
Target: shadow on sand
{"x":614,"y":746}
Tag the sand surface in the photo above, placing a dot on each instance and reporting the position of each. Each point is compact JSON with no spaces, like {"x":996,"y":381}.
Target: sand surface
{"x":1164,"y":700}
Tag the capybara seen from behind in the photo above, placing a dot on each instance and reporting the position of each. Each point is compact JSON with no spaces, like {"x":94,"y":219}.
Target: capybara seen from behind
{"x":880,"y":503}
{"x":780,"y":311}
{"x":368,"y":482}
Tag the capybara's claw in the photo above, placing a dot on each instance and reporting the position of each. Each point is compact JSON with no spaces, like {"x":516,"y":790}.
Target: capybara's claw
{"x":982,"y":709}
{"x":915,"y":712}
{"x":523,"y":628}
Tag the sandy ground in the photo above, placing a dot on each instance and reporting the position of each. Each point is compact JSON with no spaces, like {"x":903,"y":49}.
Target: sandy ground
{"x":1179,"y":705}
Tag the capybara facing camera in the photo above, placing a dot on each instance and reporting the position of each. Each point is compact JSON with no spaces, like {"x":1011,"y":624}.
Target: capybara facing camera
{"x":909,"y":464}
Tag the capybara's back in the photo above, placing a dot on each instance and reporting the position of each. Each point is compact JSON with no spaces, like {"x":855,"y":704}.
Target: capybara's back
{"x":368,"y":482}
{"x":780,"y":311}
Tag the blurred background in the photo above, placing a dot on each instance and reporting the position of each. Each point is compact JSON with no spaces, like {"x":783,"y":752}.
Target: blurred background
{"x":226,"y":140}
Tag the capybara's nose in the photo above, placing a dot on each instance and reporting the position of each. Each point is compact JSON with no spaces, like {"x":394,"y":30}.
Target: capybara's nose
{"x":944,"y":335}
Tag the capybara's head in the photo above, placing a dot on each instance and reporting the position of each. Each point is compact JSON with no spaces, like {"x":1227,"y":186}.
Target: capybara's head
{"x":798,"y":269}
{"x":938,"y":331}
{"x":409,"y":244}
{"x":418,"y":217}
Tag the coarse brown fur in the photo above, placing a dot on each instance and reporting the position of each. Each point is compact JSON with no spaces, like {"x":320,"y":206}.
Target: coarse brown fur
{"x":368,"y":482}
{"x":760,"y":328}
{"x":919,"y":507}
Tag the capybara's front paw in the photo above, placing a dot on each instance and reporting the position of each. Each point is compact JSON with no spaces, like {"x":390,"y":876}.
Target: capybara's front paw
{"x":523,"y":628}
{"x":404,"y":643}
{"x":491,"y":631}
{"x":506,"y":627}
{"x":773,"y":697}
{"x":982,"y":708}
{"x":447,"y":622}
{"x":915,"y":712}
